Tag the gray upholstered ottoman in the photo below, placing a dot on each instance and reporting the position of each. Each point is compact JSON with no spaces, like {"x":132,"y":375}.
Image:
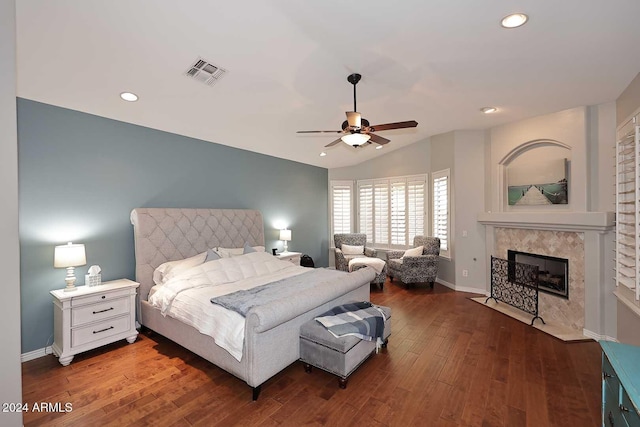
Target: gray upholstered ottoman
{"x":338,"y":356}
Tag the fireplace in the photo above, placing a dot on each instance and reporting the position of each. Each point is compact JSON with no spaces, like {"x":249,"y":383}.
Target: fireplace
{"x":553,"y":273}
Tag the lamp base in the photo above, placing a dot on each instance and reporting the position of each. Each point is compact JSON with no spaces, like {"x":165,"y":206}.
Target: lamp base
{"x":286,"y":249}
{"x":70,"y":279}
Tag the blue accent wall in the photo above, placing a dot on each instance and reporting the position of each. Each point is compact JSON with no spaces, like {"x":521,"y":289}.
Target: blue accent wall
{"x":80,"y":176}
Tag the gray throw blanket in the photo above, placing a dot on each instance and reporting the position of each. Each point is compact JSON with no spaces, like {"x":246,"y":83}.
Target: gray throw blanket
{"x":361,"y":319}
{"x":243,"y":301}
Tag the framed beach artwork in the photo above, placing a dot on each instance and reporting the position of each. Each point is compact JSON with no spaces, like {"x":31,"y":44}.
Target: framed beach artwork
{"x":539,"y":183}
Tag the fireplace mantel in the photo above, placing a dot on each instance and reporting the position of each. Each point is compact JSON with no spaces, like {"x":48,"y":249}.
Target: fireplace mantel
{"x":559,"y":221}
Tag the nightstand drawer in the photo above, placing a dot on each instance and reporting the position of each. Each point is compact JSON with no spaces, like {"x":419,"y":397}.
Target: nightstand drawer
{"x":99,"y":296}
{"x":98,"y":331}
{"x":95,"y":312}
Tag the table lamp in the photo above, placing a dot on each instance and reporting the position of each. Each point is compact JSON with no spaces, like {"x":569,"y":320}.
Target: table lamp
{"x":69,"y":256}
{"x":285,"y":236}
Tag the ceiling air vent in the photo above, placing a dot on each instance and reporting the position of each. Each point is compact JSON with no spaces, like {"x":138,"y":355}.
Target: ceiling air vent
{"x":205,"y":72}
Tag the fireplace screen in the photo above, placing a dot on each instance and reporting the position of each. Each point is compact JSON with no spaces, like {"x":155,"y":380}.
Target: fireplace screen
{"x":553,"y":276}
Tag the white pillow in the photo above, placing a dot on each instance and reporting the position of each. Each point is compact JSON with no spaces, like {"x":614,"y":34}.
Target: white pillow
{"x":169,"y":269}
{"x":413,"y":252}
{"x":352,"y":250}
{"x":229,"y":252}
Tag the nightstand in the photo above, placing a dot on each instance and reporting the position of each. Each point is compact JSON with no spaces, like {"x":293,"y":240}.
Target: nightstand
{"x":91,"y":317}
{"x":293,"y":257}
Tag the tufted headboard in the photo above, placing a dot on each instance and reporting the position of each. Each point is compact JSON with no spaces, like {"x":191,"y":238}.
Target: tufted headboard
{"x":163,"y":235}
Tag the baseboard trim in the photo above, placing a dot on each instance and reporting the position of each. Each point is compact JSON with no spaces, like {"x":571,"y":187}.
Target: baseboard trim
{"x":462,"y":288}
{"x":35,"y":354}
{"x":597,"y":337}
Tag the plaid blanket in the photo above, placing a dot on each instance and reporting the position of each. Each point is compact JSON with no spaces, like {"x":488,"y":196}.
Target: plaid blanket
{"x":361,"y":319}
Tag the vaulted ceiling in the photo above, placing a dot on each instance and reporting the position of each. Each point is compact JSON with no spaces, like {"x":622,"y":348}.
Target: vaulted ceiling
{"x":434,"y":61}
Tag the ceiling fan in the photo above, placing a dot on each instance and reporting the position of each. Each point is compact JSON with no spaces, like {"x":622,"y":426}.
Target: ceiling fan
{"x":357,"y":131}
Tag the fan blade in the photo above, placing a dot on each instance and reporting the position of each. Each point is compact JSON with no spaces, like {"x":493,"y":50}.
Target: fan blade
{"x":319,"y":131}
{"x":378,"y":139}
{"x":354,"y":119}
{"x":333,"y":143}
{"x":398,"y":125}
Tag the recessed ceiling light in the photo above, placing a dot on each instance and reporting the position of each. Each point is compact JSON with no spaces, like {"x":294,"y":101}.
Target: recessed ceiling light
{"x":129,"y":96}
{"x":378,"y":147}
{"x":489,"y":110}
{"x":323,"y":154}
{"x":514,"y":20}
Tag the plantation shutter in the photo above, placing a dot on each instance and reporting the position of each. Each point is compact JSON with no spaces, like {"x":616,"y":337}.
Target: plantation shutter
{"x":441,"y":209}
{"x":398,"y":213}
{"x":415,"y":208}
{"x":341,"y":207}
{"x":381,"y":197}
{"x":365,"y":204}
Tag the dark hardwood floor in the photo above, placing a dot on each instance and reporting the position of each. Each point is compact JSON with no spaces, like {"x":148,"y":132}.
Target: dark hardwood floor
{"x":450,"y":362}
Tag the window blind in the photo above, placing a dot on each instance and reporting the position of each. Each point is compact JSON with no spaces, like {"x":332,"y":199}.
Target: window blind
{"x":381,"y":193}
{"x":398,"y":213}
{"x":391,"y":212}
{"x":440,"y":214}
{"x":415,"y":208}
{"x":365,"y":203}
{"x":341,"y":207}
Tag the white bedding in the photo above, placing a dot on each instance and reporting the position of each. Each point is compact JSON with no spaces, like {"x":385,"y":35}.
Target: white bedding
{"x":187,"y":296}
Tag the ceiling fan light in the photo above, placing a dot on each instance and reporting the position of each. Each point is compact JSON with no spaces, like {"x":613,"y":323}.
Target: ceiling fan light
{"x":355,"y":139}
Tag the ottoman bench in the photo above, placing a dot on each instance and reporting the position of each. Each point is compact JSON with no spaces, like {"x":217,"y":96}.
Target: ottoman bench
{"x":338,"y":356}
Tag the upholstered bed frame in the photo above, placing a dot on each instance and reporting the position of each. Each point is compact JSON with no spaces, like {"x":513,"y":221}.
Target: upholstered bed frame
{"x":271,"y":330}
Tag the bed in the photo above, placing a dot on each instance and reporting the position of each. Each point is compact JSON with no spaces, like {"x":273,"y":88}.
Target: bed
{"x":271,"y":330}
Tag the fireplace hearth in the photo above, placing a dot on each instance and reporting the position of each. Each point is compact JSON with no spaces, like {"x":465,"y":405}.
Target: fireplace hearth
{"x":553,"y":273}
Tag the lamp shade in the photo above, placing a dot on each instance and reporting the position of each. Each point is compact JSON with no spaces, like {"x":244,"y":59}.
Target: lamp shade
{"x":69,"y":255}
{"x":355,"y":139}
{"x":285,"y":235}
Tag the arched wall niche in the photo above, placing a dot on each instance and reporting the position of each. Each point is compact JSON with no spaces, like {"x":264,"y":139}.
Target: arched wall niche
{"x":532,"y":152}
{"x":531,"y":145}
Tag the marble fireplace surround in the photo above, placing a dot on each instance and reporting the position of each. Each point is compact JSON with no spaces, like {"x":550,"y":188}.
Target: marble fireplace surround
{"x":577,"y":236}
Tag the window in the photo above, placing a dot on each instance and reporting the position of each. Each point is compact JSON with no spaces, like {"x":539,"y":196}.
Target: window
{"x":340,"y":207}
{"x":441,"y":196}
{"x":391,"y":212}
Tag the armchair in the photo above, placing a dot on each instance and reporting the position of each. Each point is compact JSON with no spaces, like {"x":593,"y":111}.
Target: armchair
{"x":413,"y":269}
{"x":355,"y":239}
{"x":352,"y":239}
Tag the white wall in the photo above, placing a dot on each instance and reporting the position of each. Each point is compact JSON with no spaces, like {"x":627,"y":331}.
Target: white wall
{"x":628,"y":101}
{"x":468,"y":180}
{"x":411,"y":160}
{"x":601,"y":183}
{"x":10,"y":371}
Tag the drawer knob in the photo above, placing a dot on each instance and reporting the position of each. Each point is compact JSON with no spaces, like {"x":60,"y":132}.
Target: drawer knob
{"x":102,"y":311}
{"x":104,"y":296}
{"x":103,"y":330}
